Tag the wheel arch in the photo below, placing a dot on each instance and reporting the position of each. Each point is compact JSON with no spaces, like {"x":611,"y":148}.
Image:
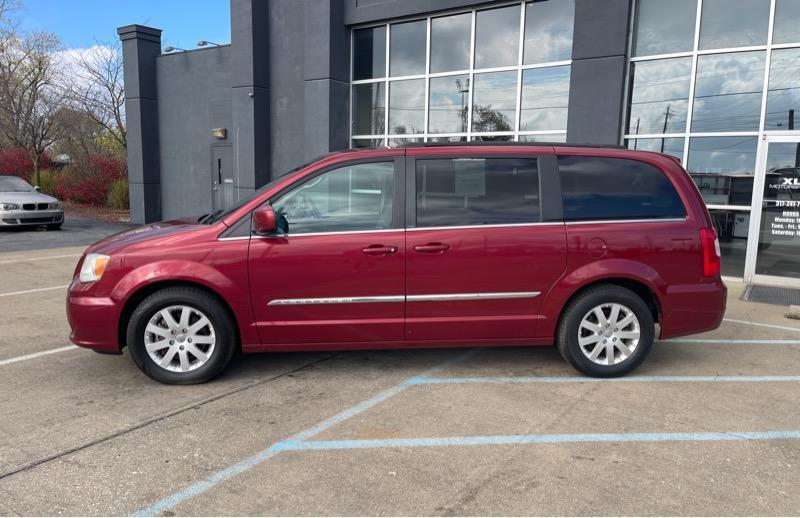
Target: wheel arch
{"x":142,"y":292}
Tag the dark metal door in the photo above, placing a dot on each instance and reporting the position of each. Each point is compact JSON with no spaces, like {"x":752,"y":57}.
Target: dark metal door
{"x":222,"y":177}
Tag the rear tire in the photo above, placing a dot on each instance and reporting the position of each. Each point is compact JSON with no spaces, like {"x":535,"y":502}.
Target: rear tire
{"x":181,"y":336}
{"x":606,"y":331}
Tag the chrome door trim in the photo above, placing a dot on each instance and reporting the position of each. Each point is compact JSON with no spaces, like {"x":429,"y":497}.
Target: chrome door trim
{"x":472,"y":296}
{"x":642,"y":220}
{"x":499,"y":225}
{"x":410,"y":298}
{"x":337,"y":300}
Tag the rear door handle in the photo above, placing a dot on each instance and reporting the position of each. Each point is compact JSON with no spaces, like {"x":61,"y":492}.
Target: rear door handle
{"x":379,"y":250}
{"x":432,"y":248}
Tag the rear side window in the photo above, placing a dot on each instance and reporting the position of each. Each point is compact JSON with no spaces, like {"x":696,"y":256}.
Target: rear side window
{"x":477,"y":191}
{"x":613,"y":188}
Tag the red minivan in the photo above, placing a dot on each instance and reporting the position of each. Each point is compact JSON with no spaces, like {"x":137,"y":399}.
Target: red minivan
{"x":422,"y":246}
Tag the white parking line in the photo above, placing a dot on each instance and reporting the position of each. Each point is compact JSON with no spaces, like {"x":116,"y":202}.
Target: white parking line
{"x":34,"y":291}
{"x":26,"y":259}
{"x":759,"y":324}
{"x":37,"y":355}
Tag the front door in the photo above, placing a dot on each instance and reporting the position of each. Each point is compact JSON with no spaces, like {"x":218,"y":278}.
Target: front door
{"x":222,"y":178}
{"x":480,"y":258}
{"x":775,"y":251}
{"x":337,"y":273}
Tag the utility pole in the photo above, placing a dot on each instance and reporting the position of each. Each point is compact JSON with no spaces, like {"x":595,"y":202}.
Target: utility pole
{"x":664,"y":129}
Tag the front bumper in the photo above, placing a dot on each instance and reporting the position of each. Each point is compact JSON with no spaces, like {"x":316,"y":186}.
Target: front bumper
{"x":92,"y":320}
{"x":17,"y":218}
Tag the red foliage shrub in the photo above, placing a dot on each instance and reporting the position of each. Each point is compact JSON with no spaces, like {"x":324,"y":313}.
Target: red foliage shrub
{"x":89,"y":182}
{"x":16,"y":161}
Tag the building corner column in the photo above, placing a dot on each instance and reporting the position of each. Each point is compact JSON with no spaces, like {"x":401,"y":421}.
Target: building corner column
{"x":599,"y":72}
{"x":140,"y":47}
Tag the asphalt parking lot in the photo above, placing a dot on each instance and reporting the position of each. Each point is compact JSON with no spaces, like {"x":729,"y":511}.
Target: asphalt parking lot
{"x":709,"y":425}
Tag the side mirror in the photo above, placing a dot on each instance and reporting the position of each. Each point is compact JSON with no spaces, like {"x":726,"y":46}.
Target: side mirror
{"x":264,"y":222}
{"x":37,"y":189}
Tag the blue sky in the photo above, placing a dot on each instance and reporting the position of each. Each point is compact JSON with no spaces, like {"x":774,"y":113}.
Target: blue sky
{"x":79,"y":23}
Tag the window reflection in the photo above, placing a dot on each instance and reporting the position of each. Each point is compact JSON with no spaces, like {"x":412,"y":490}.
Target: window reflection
{"x":660,"y":97}
{"x":494,"y":102}
{"x":369,"y":53}
{"x":545,"y":94}
{"x":728,"y":92}
{"x":723,"y":168}
{"x":407,"y":48}
{"x":447,"y":111}
{"x":724,"y":25}
{"x":783,"y":96}
{"x":668,"y":146}
{"x":407,"y":106}
{"x":368,"y":109}
{"x":787,"y":21}
{"x":548,"y":31}
{"x":497,"y":37}
{"x":664,"y":27}
{"x":367,"y":142}
{"x":450,"y":37}
{"x":732,"y":227}
{"x":541,"y":137}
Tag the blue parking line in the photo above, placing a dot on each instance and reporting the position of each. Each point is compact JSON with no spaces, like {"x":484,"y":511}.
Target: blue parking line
{"x":204,"y":485}
{"x":425,"y":380}
{"x":727,"y":341}
{"x":480,"y":440}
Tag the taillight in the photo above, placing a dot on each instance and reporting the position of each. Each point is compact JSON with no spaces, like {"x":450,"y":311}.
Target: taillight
{"x":711,"y":253}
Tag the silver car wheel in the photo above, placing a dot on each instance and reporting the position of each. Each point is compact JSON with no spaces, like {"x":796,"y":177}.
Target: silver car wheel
{"x":609,"y":334}
{"x":179,"y":338}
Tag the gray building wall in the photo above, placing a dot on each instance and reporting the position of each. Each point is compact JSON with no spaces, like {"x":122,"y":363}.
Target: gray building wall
{"x":281,"y":89}
{"x":194,"y":96}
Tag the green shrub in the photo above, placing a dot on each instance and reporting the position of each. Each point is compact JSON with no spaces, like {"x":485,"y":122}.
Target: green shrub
{"x":118,"y":194}
{"x":48,"y":182}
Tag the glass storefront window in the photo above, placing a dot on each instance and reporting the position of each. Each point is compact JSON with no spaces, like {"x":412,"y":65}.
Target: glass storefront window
{"x":450,"y":40}
{"x":545,"y":93}
{"x":448,"y":96}
{"x":407,"y":107}
{"x":783,"y":96}
{"x":728,"y":90}
{"x":368,"y":108}
{"x":369,"y":53}
{"x":544,"y":137}
{"x":723,"y":168}
{"x":732,"y":227}
{"x":663,"y":27}
{"x":494,"y":102}
{"x":548,"y":31}
{"x":456,"y":91}
{"x":407,"y":48}
{"x":497,"y":37}
{"x":787,"y":21}
{"x":659,"y":100}
{"x":724,"y":25}
{"x":668,"y":146}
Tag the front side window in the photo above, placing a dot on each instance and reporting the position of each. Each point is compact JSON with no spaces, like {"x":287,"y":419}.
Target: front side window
{"x":611,"y":188}
{"x":350,"y":198}
{"x":477,"y":191}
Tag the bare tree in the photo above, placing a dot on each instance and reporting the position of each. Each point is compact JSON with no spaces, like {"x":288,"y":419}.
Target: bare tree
{"x":29,"y":98}
{"x":98,"y":89}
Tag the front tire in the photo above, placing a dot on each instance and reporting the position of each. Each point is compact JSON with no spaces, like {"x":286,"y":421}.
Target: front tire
{"x":181,"y":336}
{"x":607,"y":331}
{"x":55,"y":226}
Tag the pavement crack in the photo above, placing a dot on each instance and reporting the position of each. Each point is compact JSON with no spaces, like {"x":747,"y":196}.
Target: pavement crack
{"x":155,"y":419}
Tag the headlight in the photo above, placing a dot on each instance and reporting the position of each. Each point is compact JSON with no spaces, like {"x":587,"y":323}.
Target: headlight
{"x":55,"y":206}
{"x":93,"y":267}
{"x":9,"y":206}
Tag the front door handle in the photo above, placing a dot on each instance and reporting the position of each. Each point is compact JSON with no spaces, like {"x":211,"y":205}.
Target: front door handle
{"x":379,"y":250}
{"x":432,"y":248}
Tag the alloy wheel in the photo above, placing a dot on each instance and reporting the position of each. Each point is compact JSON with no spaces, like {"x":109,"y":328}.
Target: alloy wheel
{"x":179,"y":338}
{"x":609,"y":334}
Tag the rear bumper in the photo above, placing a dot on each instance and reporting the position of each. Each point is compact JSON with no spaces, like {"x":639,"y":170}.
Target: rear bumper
{"x":18,"y":218}
{"x":693,"y":308}
{"x":93,"y":321}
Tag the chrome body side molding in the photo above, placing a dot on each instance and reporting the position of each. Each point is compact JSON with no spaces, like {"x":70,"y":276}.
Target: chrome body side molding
{"x":409,"y":298}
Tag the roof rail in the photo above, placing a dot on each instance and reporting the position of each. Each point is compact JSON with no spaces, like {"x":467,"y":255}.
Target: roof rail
{"x":507,"y":143}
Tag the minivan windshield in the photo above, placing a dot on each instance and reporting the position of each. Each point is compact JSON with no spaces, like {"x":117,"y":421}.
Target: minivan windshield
{"x":14,"y":184}
{"x":213,"y":217}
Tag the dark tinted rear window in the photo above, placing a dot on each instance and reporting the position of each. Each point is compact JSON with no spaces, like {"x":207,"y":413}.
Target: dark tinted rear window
{"x":614,"y":188}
